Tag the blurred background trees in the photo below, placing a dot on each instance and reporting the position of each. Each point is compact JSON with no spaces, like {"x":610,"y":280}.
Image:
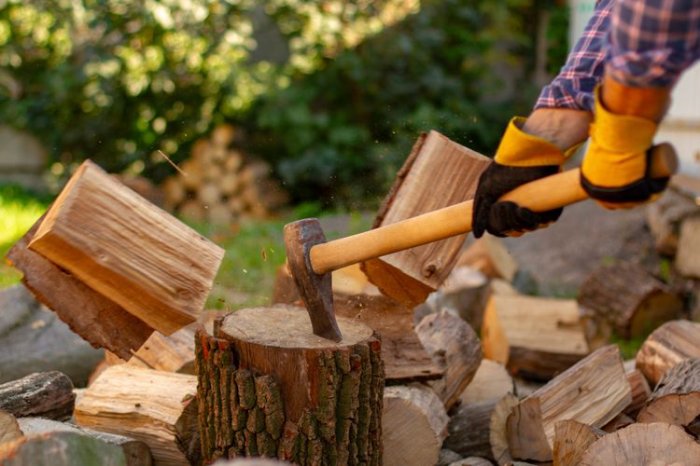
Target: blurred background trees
{"x":332,"y":93}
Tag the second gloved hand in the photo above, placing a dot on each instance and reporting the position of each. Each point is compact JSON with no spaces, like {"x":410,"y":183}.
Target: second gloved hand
{"x":520,"y":158}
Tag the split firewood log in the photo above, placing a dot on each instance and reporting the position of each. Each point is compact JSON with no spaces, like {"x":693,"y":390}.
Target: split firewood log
{"x":414,"y":425}
{"x":455,"y":347}
{"x":620,"y":421}
{"x":676,"y":399}
{"x":47,"y":394}
{"x":155,"y":407}
{"x":269,"y":387}
{"x":465,"y":292}
{"x":9,"y":427}
{"x":664,"y":218}
{"x":533,"y":337}
{"x":571,"y":440}
{"x":60,"y":449}
{"x":651,"y":444}
{"x":491,"y":382}
{"x":136,"y":452}
{"x":469,"y":429}
{"x":489,"y":255}
{"x":668,"y":345}
{"x":498,"y":437}
{"x":629,"y":299}
{"x":687,"y":259}
{"x":640,"y":392}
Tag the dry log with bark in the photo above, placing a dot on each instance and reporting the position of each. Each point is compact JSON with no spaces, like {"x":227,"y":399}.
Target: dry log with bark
{"x":414,"y":425}
{"x":676,"y":399}
{"x":410,"y":276}
{"x":60,"y":449}
{"x":629,"y":299}
{"x":668,"y":345}
{"x":47,"y":394}
{"x":469,"y":429}
{"x":687,"y":261}
{"x":533,"y":337}
{"x":455,"y":347}
{"x":571,"y":440}
{"x":268,"y":386}
{"x":498,"y":437}
{"x":157,"y":408}
{"x":665,"y":216}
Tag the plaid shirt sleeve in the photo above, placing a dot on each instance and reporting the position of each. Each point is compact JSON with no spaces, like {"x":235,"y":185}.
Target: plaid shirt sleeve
{"x":573,"y":87}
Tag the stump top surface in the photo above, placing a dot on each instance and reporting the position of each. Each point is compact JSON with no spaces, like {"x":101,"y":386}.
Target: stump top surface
{"x":288,"y":327}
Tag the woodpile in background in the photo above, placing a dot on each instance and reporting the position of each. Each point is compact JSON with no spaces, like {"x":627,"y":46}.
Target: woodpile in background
{"x":219,"y":183}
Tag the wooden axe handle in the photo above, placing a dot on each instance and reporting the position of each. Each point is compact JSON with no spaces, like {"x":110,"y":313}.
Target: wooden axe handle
{"x":541,"y":195}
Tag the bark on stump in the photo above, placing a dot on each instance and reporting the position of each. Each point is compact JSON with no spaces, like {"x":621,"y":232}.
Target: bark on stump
{"x":668,"y":345}
{"x":269,"y":387}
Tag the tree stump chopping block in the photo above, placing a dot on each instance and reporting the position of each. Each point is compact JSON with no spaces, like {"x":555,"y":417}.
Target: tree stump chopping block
{"x":269,"y":387}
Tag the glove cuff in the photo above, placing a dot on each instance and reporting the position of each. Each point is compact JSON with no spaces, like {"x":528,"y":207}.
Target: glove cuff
{"x":519,"y":149}
{"x":624,"y":134}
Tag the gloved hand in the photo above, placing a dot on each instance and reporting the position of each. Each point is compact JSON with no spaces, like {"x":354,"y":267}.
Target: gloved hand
{"x":615,"y":169}
{"x":520,"y":158}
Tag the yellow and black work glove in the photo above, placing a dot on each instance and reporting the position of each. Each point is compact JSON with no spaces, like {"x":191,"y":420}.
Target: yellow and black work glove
{"x":616,"y":168}
{"x":520,"y":158}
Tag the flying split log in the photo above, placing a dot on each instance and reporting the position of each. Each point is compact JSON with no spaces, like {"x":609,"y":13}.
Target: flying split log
{"x":571,"y":440}
{"x":128,"y":250}
{"x":455,"y":347}
{"x":136,"y":453}
{"x":60,"y":449}
{"x":668,"y":345}
{"x":593,"y":391}
{"x":437,"y":173}
{"x":533,"y":337}
{"x":157,"y":408}
{"x":47,"y":394}
{"x":649,"y":444}
{"x":629,"y":299}
{"x":97,"y":319}
{"x":269,"y":387}
{"x":676,"y":399}
{"x":414,"y":425}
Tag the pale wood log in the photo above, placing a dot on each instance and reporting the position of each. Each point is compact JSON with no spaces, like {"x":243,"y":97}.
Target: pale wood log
{"x":668,"y":345}
{"x":500,"y":286}
{"x":620,"y":421}
{"x":469,"y":429}
{"x":664,"y":218}
{"x":465,"y":292}
{"x":491,"y":382}
{"x":405,"y":358}
{"x":47,"y":394}
{"x":174,"y":191}
{"x":219,"y":214}
{"x":414,"y":425}
{"x":135,"y":254}
{"x":235,"y":205}
{"x":60,"y":449}
{"x":648,"y":444}
{"x":676,"y":399}
{"x":253,"y":171}
{"x":630,"y":299}
{"x":593,"y":391}
{"x":234,"y":160}
{"x":157,"y":408}
{"x":9,"y":427}
{"x":96,"y":318}
{"x":454,"y":346}
{"x":489,"y":255}
{"x":640,"y":392}
{"x":571,"y":439}
{"x":193,"y":211}
{"x":191,"y":173}
{"x":415,"y":273}
{"x":525,"y":432}
{"x":687,"y":259}
{"x":498,"y":436}
{"x":229,"y":184}
{"x":172,"y":353}
{"x":136,"y":452}
{"x":223,"y":135}
{"x":208,"y":194}
{"x":268,"y":386}
{"x":200,"y":155}
{"x":533,"y":337}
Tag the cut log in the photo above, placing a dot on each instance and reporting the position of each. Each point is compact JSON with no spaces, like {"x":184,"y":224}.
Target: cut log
{"x":9,"y":427}
{"x":469,"y":429}
{"x":533,"y":337}
{"x":173,"y":353}
{"x":498,"y":436}
{"x":47,"y":394}
{"x":668,"y":345}
{"x":640,"y":392}
{"x":629,"y":299}
{"x":472,"y":461}
{"x":648,"y":444}
{"x":269,"y":387}
{"x":453,"y":346}
{"x":414,"y":425}
{"x":60,"y":449}
{"x":676,"y":399}
{"x":157,"y":408}
{"x":491,"y":382}
{"x":687,"y":260}
{"x":436,"y":174}
{"x":571,"y":439}
{"x":136,"y":453}
{"x":525,"y":432}
{"x":128,"y":250}
{"x":489,"y":255}
{"x":664,"y":218}
{"x":620,"y":421}
{"x":593,"y":391}
{"x":98,"y":320}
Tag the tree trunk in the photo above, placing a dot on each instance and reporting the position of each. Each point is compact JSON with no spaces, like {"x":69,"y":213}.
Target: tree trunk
{"x":46,"y":394}
{"x":269,"y":387}
{"x":571,"y":439}
{"x":668,"y":345}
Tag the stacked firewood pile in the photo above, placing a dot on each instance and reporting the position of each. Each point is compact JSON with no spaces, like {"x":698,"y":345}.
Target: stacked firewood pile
{"x":219,"y":183}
